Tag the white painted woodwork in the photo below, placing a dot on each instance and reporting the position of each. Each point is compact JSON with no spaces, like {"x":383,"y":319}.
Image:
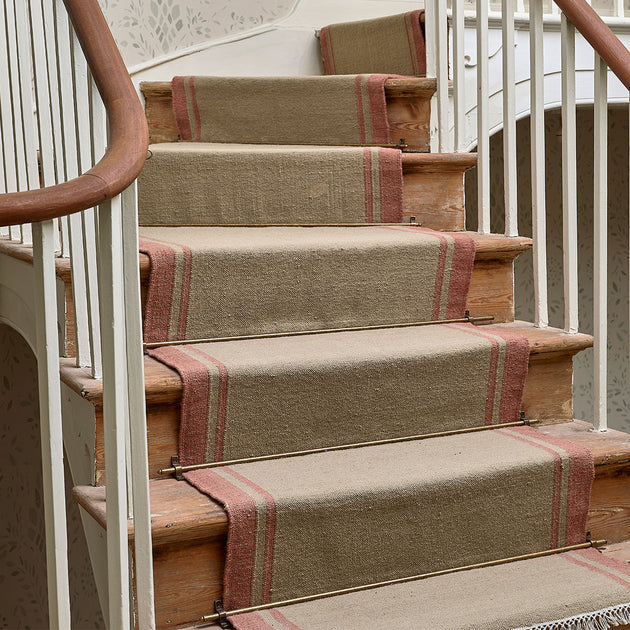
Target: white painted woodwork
{"x":509,"y":120}
{"x":569,"y":180}
{"x":483,"y":130}
{"x":441,"y":55}
{"x":112,"y":318}
{"x":51,"y":425}
{"x":459,"y":62}
{"x":139,"y":461}
{"x":600,"y":255}
{"x":539,"y":227}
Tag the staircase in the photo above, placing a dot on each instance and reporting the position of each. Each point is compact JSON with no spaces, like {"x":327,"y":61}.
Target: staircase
{"x":349,"y":358}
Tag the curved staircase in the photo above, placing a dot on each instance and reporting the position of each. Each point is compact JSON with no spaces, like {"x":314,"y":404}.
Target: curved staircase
{"x":331,"y":314}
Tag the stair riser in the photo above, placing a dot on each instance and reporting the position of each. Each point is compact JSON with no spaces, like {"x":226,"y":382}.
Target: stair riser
{"x":408,"y":116}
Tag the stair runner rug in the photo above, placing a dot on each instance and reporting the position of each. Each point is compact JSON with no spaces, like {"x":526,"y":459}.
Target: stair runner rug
{"x":327,"y":521}
{"x":193,"y":183}
{"x":218,"y":281}
{"x":387,"y":45}
{"x":340,"y":110}
{"x":578,"y":590}
{"x":341,"y":388}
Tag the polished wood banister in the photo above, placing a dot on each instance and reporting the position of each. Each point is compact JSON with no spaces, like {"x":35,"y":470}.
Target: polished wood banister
{"x":128,"y":133}
{"x":599,"y":36}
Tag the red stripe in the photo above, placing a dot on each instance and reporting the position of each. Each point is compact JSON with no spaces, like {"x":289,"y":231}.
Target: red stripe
{"x":367,"y":167}
{"x":157,"y":314}
{"x":557,"y":484}
{"x":605,"y":561}
{"x":195,"y":377}
{"x":278,"y":616}
{"x":571,"y":558}
{"x":222,"y":402}
{"x":378,"y":109}
{"x":418,"y":39}
{"x":185,"y":297}
{"x":241,"y":541}
{"x":180,"y":107}
{"x":461,"y":273}
{"x":361,"y":117}
{"x":270,"y":537}
{"x":390,"y":162}
{"x":408,"y":28}
{"x":581,"y":474}
{"x":326,"y":46}
{"x":250,"y":621}
{"x":195,"y":105}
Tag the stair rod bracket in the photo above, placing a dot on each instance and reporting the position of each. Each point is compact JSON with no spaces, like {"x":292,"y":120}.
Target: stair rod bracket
{"x":176,"y":468}
{"x":222,"y":618}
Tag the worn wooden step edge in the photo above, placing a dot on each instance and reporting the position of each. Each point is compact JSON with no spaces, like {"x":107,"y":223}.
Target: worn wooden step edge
{"x":408,"y":110}
{"x":163,"y":384}
{"x":180,"y":513}
{"x":438,"y":162}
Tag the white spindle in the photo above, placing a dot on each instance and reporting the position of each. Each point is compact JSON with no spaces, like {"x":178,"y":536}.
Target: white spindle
{"x":483,"y":127}
{"x":600,"y":254}
{"x":441,"y":30}
{"x":619,"y":8}
{"x":539,"y":227}
{"x":42,"y":99}
{"x":569,"y":179}
{"x":51,"y":425}
{"x":115,"y":409}
{"x":509,"y":120}
{"x":137,"y":415}
{"x":459,"y":92}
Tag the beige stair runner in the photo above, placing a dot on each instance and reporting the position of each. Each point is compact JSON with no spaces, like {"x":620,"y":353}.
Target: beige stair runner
{"x":215,"y":282}
{"x":198,"y":183}
{"x":342,"y":110}
{"x":389,"y":45}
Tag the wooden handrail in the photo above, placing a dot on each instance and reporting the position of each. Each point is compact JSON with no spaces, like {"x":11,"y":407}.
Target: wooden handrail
{"x":599,"y":36}
{"x":128,"y":133}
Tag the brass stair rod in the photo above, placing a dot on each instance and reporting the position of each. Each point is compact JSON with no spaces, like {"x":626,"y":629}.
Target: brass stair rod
{"x":300,"y":333}
{"x":413,"y":578}
{"x":178,"y":470}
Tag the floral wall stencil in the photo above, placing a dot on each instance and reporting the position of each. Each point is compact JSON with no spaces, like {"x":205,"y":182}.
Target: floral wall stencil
{"x":149,"y":29}
{"x":618,"y":361}
{"x":24,"y":601}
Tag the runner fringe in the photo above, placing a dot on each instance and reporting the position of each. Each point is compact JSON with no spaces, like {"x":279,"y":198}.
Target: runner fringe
{"x":600,"y":620}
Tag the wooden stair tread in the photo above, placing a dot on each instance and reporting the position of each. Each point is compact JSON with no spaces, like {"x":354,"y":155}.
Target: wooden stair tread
{"x":438,"y":162}
{"x":180,"y":512}
{"x":163,"y":384}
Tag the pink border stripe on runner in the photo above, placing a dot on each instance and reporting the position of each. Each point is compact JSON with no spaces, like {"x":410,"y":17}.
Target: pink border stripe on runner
{"x":408,"y":19}
{"x":270,"y":538}
{"x":461,"y":273}
{"x":180,"y":107}
{"x":581,"y":477}
{"x":419,"y":45}
{"x":378,"y":109}
{"x":160,"y":292}
{"x":278,"y":616}
{"x":390,"y":161}
{"x":241,"y":542}
{"x":195,"y":106}
{"x":185,"y":297}
{"x":222,"y":402}
{"x":250,"y":621}
{"x":610,"y":563}
{"x":602,"y":569}
{"x":195,"y":377}
{"x":327,"y":50}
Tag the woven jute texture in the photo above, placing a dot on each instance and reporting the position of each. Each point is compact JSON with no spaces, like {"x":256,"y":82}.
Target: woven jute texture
{"x":341,"y":110}
{"x":333,"y":520}
{"x":213,"y":282}
{"x":196,"y":183}
{"x":342,"y":388}
{"x":583,"y":585}
{"x":388,"y":45}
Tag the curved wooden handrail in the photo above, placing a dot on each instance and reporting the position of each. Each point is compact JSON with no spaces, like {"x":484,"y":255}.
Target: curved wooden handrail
{"x":128,"y":133}
{"x":599,"y":36}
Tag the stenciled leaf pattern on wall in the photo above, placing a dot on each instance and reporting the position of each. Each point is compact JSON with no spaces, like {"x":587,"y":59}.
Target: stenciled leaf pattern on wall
{"x":149,"y":29}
